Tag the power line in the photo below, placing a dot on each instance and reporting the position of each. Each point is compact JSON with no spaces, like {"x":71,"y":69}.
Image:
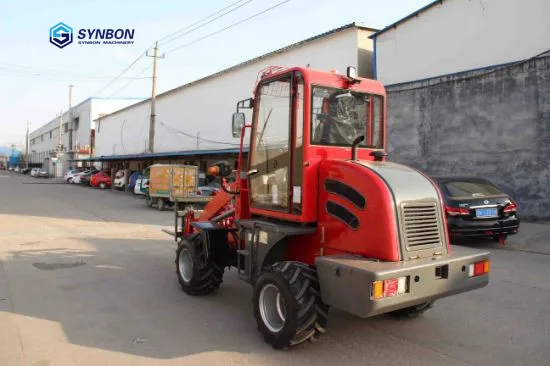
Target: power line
{"x":119,"y":75}
{"x":194,"y":137}
{"x":162,"y":43}
{"x":229,"y":26}
{"x":43,"y":72}
{"x":133,"y":79}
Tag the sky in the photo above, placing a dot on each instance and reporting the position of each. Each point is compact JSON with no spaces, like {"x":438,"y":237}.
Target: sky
{"x":35,"y":75}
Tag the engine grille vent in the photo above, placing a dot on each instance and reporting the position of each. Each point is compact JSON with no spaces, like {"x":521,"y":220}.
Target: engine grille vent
{"x":421,"y":225}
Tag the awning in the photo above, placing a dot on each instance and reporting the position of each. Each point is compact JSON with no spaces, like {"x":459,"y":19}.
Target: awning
{"x":161,"y":155}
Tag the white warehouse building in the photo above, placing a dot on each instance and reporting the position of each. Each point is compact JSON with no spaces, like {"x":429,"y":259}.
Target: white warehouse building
{"x":197,"y":116}
{"x":77,"y":132}
{"x":451,"y":36}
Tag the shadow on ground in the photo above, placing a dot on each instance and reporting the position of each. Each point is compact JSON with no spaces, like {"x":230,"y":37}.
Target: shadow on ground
{"x":124,"y":297}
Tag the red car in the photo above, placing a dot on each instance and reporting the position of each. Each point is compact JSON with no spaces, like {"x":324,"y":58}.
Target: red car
{"x":101,"y":180}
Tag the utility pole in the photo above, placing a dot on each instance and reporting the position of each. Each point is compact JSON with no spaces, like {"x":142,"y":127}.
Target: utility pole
{"x":27,"y":147}
{"x":59,"y":145}
{"x":71,"y":119}
{"x":153,"y":97}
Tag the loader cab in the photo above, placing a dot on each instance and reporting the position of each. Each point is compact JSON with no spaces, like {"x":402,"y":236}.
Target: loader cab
{"x":300,"y":117}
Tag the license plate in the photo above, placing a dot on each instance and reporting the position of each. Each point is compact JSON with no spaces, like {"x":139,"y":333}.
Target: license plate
{"x":486,"y":212}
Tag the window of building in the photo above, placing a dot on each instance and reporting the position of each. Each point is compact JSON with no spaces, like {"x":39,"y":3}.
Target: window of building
{"x":42,"y":138}
{"x":66,"y":127}
{"x":76,"y":123}
{"x":51,"y":134}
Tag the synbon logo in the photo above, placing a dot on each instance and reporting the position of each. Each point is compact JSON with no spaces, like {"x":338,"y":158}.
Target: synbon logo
{"x":61,"y":35}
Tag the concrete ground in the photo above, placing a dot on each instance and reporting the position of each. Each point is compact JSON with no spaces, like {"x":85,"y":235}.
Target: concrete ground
{"x":87,"y":278}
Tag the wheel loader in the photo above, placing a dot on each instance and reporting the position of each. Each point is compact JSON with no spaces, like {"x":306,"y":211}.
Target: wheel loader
{"x":317,"y":217}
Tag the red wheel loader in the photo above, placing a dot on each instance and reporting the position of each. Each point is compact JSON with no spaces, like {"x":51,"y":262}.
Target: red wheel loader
{"x":317,"y":217}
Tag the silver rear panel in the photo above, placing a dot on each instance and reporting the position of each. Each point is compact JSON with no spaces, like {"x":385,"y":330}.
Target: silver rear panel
{"x":417,"y":207}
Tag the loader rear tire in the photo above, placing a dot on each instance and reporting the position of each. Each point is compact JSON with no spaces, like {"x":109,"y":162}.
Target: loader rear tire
{"x":160,"y":204}
{"x":412,"y":311}
{"x":196,"y":274}
{"x":288,"y":306}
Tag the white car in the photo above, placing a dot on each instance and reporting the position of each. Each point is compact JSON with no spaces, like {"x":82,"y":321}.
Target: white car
{"x":137,"y":187}
{"x":17,"y":169}
{"x":71,"y":173}
{"x":34,"y":172}
{"x":121,"y":179}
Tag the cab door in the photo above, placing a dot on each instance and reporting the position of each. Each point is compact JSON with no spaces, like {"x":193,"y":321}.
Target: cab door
{"x":270,"y":154}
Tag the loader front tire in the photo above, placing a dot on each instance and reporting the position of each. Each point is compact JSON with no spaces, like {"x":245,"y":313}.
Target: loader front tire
{"x":197,"y":275}
{"x":288,"y":306}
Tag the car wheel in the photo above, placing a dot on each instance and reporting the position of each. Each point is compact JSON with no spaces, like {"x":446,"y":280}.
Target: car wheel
{"x":102,"y":185}
{"x":160,"y":204}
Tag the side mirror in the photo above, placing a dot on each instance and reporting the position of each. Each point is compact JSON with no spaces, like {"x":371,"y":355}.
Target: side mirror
{"x":238,"y":122}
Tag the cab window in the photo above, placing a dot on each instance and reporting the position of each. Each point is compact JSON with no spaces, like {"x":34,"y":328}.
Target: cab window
{"x":339,"y":116}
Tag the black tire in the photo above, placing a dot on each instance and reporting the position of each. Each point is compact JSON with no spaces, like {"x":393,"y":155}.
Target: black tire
{"x":412,"y":311}
{"x":160,"y":204}
{"x":149,"y":201}
{"x":102,"y":185}
{"x":205,"y":275}
{"x":305,"y":314}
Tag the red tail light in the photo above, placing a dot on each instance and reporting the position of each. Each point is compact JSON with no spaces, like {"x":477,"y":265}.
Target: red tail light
{"x":511,"y":207}
{"x":456,"y":211}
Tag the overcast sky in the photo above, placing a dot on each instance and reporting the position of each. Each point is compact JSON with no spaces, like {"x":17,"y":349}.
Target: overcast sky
{"x":34,"y":75}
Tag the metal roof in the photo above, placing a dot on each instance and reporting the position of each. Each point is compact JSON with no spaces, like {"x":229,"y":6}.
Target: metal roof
{"x":242,"y":64}
{"x":412,"y":15}
{"x":171,"y":154}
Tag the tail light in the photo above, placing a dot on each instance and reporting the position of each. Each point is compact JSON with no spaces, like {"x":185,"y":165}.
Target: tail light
{"x":511,"y":207}
{"x":478,"y":268}
{"x":388,"y":288}
{"x":456,"y":211}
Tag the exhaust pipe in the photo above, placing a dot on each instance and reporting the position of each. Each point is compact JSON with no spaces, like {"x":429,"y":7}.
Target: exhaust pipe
{"x":354,"y":144}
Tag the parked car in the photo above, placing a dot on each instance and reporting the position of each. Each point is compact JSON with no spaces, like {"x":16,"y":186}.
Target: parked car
{"x":121,"y":179}
{"x":69,"y":175}
{"x":10,"y":169}
{"x":133,"y":180}
{"x":34,"y":172}
{"x":77,"y":178}
{"x":476,"y":207}
{"x":85,"y":178}
{"x":17,"y":169}
{"x":42,"y":174}
{"x":101,"y":180}
{"x":141,"y":182}
{"x":207,"y":191}
{"x":25,"y":170}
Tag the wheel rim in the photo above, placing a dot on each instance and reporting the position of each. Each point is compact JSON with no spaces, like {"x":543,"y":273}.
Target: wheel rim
{"x":185,"y":265}
{"x":272,"y":308}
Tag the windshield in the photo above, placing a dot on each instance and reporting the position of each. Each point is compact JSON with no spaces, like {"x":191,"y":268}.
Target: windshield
{"x":471,"y":189}
{"x":339,"y":116}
